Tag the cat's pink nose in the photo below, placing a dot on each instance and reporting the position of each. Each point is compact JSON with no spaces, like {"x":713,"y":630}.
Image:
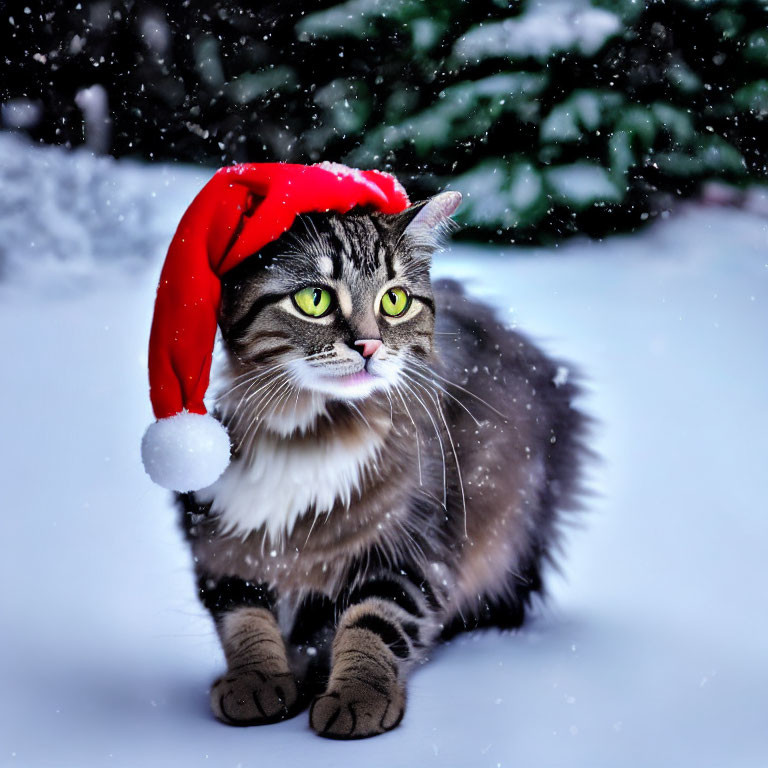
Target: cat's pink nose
{"x":369,"y":346}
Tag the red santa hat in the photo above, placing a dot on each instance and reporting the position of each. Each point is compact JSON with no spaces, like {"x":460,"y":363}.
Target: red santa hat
{"x":240,"y":210}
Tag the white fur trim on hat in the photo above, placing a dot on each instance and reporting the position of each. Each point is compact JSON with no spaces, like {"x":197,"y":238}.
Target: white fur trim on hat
{"x":185,"y":452}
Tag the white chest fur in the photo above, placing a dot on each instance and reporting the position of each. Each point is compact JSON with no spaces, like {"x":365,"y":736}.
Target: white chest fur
{"x":286,"y":478}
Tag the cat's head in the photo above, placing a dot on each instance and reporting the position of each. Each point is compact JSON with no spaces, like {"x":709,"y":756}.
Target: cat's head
{"x":336,"y":308}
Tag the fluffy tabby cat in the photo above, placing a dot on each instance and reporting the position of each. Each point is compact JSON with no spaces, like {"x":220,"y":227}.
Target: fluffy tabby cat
{"x":400,"y":462}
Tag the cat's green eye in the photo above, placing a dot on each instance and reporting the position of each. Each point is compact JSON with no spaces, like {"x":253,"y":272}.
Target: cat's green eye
{"x":314,"y":301}
{"x":394,"y":302}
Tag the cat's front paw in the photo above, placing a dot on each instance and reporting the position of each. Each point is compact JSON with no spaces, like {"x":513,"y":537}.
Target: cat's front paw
{"x":254,"y":698}
{"x":355,"y":710}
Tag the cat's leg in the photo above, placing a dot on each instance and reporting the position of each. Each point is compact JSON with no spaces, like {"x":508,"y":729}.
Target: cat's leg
{"x":259,"y":686}
{"x":388,"y":625}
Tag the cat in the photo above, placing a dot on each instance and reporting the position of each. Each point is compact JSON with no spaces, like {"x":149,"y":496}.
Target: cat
{"x":401,"y":463}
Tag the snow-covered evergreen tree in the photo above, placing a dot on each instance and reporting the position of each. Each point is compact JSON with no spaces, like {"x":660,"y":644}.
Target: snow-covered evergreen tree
{"x":551,"y":116}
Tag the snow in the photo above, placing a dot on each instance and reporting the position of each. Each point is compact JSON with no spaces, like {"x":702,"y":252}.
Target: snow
{"x":465,"y":110}
{"x":581,"y":184}
{"x":93,"y":102}
{"x":64,"y":213}
{"x":249,"y":86}
{"x":485,"y":197}
{"x":492,"y":194}
{"x":583,"y":109}
{"x":545,"y":27}
{"x":652,"y":649}
{"x":19,"y":113}
{"x":351,"y":18}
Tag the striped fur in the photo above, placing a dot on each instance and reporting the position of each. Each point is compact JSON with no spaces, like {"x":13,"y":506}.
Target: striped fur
{"x":464,"y":450}
{"x":259,"y":686}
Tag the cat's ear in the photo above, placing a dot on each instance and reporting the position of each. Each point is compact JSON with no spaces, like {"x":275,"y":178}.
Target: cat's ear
{"x":426,"y":222}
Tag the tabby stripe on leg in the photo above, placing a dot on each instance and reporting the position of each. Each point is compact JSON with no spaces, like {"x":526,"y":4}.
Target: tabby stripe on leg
{"x":387,"y":631}
{"x":258,"y":686}
{"x":405,"y":601}
{"x":412,"y":630}
{"x":366,"y":688}
{"x":424,"y":589}
{"x":388,"y":589}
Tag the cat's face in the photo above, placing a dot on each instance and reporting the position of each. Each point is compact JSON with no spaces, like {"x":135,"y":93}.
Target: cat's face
{"x":337,"y":307}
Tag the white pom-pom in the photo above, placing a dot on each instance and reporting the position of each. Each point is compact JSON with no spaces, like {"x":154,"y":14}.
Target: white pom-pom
{"x":185,"y":452}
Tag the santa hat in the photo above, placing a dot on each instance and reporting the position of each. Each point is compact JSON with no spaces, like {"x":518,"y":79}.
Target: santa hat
{"x":239,"y":211}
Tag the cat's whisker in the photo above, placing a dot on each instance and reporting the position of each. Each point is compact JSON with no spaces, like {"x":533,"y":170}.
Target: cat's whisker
{"x":294,"y":388}
{"x":252,"y":376}
{"x":430,"y":496}
{"x":233,"y":419}
{"x":252,"y":428}
{"x":455,"y":458}
{"x":391,"y":409}
{"x":273,"y":380}
{"x":439,"y":438}
{"x":439,"y":386}
{"x":282,"y":401}
{"x":275,"y":393}
{"x":311,"y":528}
{"x":410,"y":538}
{"x":435,"y":398}
{"x":360,"y":413}
{"x":222,"y":395}
{"x":256,"y":377}
{"x":415,"y":431}
{"x":242,"y":375}
{"x":254,"y":371}
{"x":431,"y":395}
{"x":259,"y":372}
{"x":458,"y":386}
{"x":279,"y":400}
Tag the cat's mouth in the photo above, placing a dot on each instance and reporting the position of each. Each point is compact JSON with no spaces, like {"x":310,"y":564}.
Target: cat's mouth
{"x":345,"y":379}
{"x":350,"y":385}
{"x":362,"y":376}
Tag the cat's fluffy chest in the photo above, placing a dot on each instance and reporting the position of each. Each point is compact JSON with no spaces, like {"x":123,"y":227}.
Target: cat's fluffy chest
{"x":281,"y":479}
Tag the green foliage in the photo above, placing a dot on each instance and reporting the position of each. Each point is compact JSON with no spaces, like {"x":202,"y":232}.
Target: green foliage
{"x":574,"y":115}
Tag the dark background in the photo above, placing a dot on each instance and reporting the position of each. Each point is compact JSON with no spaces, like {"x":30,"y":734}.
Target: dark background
{"x":676,"y":94}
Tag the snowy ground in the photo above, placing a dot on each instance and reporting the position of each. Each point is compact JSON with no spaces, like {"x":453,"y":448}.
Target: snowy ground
{"x":653,"y":649}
